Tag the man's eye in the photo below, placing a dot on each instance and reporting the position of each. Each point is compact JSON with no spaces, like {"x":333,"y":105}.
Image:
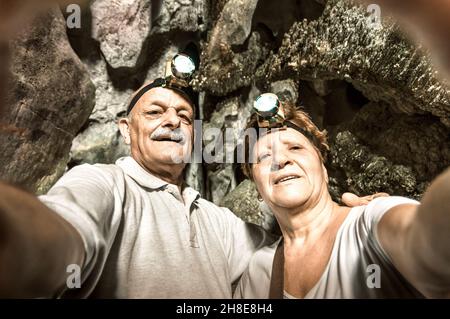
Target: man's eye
{"x":185,"y":118}
{"x":153,"y":112}
{"x":296,"y":147}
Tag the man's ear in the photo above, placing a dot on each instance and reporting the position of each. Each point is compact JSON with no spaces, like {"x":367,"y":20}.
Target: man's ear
{"x":124,"y":127}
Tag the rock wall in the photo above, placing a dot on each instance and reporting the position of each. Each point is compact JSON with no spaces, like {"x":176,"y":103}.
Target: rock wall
{"x":375,"y":91}
{"x":49,"y":99}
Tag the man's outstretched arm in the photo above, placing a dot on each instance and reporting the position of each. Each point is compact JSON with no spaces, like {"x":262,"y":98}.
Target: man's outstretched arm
{"x":36,"y":246}
{"x":417,"y":238}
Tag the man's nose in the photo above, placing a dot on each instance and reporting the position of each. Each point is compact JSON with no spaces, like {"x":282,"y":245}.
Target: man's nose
{"x":171,"y":119}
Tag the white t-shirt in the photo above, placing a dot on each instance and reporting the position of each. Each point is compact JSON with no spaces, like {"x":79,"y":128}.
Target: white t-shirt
{"x":358,"y":265}
{"x":143,"y":239}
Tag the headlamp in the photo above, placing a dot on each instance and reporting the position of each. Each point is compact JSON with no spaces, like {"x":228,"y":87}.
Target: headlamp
{"x":182,"y":66}
{"x":270,"y":114}
{"x":178,"y":73}
{"x":269,"y":110}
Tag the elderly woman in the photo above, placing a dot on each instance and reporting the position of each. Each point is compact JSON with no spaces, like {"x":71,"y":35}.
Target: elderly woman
{"x":393,"y":247}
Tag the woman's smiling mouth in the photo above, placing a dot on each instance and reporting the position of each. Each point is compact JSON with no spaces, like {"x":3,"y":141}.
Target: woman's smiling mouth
{"x":285,"y":178}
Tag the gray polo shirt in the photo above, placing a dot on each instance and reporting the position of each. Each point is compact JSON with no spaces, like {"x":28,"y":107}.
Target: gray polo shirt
{"x":358,"y":266}
{"x":145,"y":239}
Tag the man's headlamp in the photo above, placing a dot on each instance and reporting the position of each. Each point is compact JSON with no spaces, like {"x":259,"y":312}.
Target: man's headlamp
{"x":178,"y":73}
{"x":182,"y":68}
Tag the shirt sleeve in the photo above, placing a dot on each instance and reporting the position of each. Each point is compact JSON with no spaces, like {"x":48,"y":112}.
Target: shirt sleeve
{"x":255,"y":282}
{"x":89,"y":197}
{"x":373,"y":213}
{"x":242,"y":240}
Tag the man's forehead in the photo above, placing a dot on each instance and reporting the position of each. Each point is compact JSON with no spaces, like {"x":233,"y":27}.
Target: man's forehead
{"x":164,"y":97}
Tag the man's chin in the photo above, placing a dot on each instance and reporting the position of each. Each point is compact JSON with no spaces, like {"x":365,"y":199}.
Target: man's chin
{"x":174,"y":158}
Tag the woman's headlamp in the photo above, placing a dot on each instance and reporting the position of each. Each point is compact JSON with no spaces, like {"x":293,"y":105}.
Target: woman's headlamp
{"x":178,"y":73}
{"x":269,"y":110}
{"x":270,"y":114}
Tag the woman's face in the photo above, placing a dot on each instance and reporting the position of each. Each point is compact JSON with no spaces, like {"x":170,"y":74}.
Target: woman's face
{"x":288,"y":171}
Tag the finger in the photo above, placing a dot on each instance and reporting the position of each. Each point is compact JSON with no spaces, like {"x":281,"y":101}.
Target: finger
{"x":352,"y":200}
{"x":380,"y":195}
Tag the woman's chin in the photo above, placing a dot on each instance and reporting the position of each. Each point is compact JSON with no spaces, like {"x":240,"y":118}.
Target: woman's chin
{"x":289,"y":202}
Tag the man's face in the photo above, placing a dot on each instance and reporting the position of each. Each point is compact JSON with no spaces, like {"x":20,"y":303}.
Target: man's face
{"x":288,"y":171}
{"x":160,"y":130}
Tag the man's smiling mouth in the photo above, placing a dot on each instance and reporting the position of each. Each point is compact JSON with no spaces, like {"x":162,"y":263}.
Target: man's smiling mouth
{"x":168,"y":139}
{"x":167,"y":135}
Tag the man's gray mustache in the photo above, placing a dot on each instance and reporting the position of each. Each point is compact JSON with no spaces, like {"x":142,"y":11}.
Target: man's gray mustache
{"x":176,"y":135}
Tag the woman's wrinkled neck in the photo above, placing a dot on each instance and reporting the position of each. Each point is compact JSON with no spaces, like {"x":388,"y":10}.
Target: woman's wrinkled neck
{"x":308,"y":221}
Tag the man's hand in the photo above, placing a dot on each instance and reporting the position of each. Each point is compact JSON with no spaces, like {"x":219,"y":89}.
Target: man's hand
{"x":36,"y":245}
{"x":352,"y":200}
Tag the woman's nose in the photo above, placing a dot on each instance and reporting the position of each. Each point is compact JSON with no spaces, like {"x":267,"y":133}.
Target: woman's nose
{"x":280,"y":160}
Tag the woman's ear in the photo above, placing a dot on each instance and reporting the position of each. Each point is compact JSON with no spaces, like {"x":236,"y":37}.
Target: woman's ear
{"x":325,"y":173}
{"x":124,"y":127}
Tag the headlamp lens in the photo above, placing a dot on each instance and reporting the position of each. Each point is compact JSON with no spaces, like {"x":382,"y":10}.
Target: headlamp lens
{"x":267,"y":105}
{"x":182,"y":66}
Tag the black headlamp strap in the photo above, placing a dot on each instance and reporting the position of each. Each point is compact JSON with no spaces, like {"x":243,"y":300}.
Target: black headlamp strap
{"x":156,"y":83}
{"x":307,"y":134}
{"x":160,"y":82}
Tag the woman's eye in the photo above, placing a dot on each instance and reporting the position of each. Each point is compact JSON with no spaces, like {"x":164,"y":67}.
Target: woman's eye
{"x":263,"y":157}
{"x":296,"y":147}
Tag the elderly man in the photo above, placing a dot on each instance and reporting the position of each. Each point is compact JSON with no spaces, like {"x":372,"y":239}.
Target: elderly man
{"x":134,"y":228}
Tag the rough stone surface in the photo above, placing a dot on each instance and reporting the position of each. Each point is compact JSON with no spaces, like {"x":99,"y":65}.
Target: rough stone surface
{"x":379,"y":62}
{"x":233,"y":26}
{"x":366,"y":173}
{"x":180,"y":15}
{"x":223,"y":71}
{"x":243,"y":201}
{"x":50,"y":98}
{"x":127,"y":29}
{"x":99,"y":143}
{"x":224,"y":128}
{"x":419,"y":142}
{"x":121,"y":28}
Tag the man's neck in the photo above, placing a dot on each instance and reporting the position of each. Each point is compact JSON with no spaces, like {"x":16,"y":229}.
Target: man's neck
{"x":172,"y":174}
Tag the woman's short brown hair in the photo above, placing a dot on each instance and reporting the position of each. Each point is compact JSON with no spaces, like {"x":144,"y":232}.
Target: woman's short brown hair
{"x":300,"y":119}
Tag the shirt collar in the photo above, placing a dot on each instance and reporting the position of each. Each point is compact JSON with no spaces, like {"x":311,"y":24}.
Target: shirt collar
{"x":148,"y":180}
{"x":139,"y":174}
